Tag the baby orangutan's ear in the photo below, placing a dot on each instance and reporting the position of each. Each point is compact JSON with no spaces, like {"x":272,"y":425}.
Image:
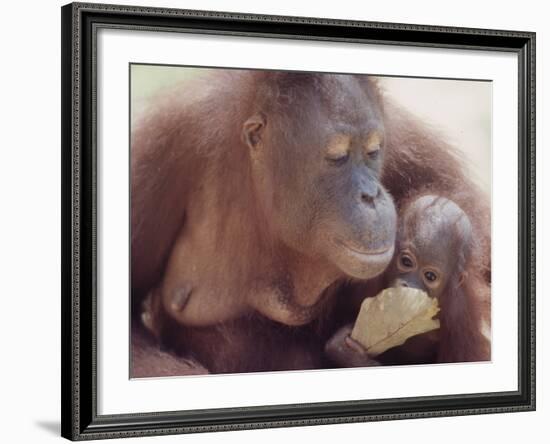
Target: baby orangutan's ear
{"x":253,"y":129}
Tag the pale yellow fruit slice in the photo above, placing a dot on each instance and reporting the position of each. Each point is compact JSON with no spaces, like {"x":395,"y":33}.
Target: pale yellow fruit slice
{"x":393,"y":316}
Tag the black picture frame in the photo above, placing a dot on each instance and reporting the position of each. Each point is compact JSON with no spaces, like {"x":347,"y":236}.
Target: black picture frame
{"x":79,"y":384}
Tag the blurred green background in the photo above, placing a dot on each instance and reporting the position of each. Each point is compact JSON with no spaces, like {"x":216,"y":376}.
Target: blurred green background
{"x":460,"y":109}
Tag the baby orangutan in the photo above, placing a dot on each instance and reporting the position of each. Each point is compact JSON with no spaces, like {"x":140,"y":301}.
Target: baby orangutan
{"x":436,"y":253}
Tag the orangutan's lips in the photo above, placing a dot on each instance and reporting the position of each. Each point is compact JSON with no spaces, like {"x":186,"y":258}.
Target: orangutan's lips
{"x":376,"y":252}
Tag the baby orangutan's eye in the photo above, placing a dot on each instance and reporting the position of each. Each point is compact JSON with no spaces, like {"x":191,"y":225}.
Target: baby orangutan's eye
{"x":430,"y":276}
{"x":406,"y":262}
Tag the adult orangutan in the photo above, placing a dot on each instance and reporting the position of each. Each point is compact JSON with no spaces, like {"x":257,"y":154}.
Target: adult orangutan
{"x":255,"y":194}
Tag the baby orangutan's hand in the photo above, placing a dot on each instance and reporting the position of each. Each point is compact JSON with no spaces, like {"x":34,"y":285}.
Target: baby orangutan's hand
{"x":347,"y":352}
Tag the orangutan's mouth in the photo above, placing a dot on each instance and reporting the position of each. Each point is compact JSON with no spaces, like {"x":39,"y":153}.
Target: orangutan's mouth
{"x":375,"y":252}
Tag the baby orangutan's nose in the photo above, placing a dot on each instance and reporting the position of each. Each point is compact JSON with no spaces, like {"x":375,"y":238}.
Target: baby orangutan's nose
{"x":409,"y":281}
{"x":400,"y":283}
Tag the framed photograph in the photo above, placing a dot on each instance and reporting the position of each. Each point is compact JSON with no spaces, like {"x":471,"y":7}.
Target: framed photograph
{"x":280,"y":221}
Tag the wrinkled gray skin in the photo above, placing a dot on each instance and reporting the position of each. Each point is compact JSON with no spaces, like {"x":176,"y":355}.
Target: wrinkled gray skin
{"x":432,"y":238}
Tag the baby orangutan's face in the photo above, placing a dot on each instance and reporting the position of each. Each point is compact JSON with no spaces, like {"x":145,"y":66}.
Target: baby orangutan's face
{"x":432,"y":232}
{"x":414,"y":269}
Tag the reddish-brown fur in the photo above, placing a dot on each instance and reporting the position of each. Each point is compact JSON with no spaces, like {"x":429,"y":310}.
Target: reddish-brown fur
{"x":164,"y":179}
{"x":463,"y":338}
{"x":466,"y":300}
{"x":465,"y":306}
{"x":419,"y":159}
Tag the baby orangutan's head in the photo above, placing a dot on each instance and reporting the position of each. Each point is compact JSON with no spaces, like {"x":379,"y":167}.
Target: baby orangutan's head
{"x":433,"y":245}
